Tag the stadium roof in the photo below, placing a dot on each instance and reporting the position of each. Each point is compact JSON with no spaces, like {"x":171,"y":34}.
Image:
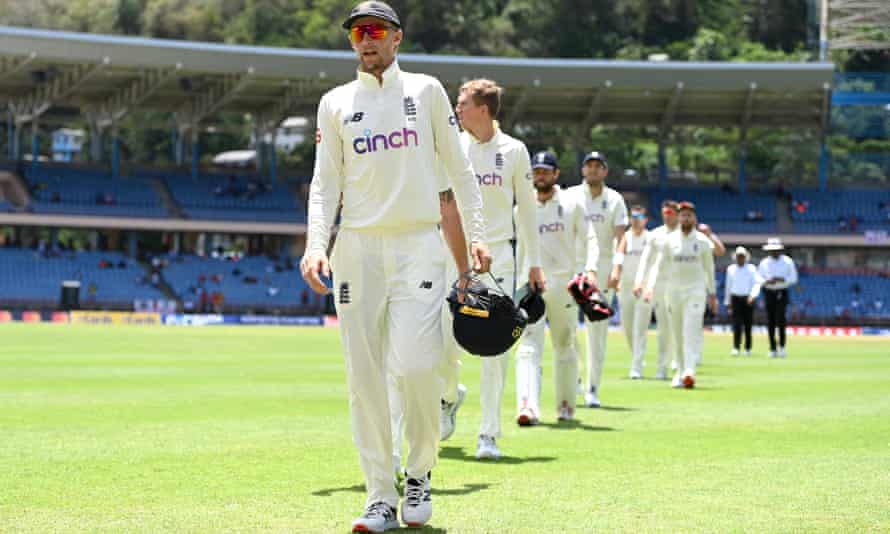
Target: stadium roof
{"x":60,"y":74}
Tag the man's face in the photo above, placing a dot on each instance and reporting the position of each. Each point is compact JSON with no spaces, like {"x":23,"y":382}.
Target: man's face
{"x":594,"y":172}
{"x":375,"y":55}
{"x":775,"y":253}
{"x":740,"y":259}
{"x":468,"y":112}
{"x":669,"y":216}
{"x":545,"y":179}
{"x":638,"y":220}
{"x":687,"y":220}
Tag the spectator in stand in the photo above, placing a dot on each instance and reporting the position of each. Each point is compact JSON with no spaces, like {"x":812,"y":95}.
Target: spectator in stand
{"x":853,"y":223}
{"x":753,"y":216}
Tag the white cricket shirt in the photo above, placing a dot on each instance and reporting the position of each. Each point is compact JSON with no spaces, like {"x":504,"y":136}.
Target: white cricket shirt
{"x":562,"y":233}
{"x":603,"y":213}
{"x":632,"y":256}
{"x":783,"y":267}
{"x":742,"y":281}
{"x":690,"y":262}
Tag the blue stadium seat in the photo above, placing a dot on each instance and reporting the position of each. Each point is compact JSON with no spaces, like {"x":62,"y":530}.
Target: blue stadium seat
{"x":724,"y":211}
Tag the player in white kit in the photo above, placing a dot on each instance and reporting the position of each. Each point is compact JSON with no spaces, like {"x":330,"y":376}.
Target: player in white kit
{"x":503,"y":171}
{"x":564,"y":239}
{"x":635,"y":312}
{"x":378,"y":140}
{"x":689,"y":256}
{"x":606,"y":212}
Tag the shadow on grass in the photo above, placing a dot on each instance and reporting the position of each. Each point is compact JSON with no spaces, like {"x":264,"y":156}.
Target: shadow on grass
{"x":576,"y":425}
{"x":608,"y":408}
{"x":356,"y":488}
{"x":457,"y":453}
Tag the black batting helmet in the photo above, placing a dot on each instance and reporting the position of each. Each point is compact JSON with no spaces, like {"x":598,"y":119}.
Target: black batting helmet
{"x":487,"y":322}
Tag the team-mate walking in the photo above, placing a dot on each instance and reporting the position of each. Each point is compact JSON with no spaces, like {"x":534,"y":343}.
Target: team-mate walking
{"x":635,"y":312}
{"x":503,"y":171}
{"x":606,"y":212}
{"x":742,"y":287}
{"x":779,"y":273}
{"x":564,"y":240}
{"x":378,"y":139}
{"x":690,"y":258}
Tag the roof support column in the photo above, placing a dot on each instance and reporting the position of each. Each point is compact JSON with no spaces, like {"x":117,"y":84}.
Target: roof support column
{"x":11,"y":135}
{"x":824,"y":154}
{"x":662,"y":164}
{"x":196,"y":154}
{"x":743,"y":169}
{"x":35,"y":143}
{"x":115,"y":152}
{"x":824,"y":164}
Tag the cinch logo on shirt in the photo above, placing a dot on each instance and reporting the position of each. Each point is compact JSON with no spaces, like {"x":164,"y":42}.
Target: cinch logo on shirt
{"x":680,"y":258}
{"x":551,"y":227}
{"x":374,"y":142}
{"x":490,"y":179}
{"x":596,"y":217}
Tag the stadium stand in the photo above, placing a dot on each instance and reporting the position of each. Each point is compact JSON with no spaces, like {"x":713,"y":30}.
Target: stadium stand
{"x":234,"y":197}
{"x":831,"y":212}
{"x":254,"y":282}
{"x":724,"y":210}
{"x":6,"y":207}
{"x":75,"y":191}
{"x":34,"y":277}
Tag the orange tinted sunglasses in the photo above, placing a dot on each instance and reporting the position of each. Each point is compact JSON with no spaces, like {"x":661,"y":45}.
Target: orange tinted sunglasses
{"x":374,"y":31}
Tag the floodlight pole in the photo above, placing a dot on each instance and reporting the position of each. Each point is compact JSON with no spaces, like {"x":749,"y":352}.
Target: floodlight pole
{"x":823,"y":31}
{"x":35,"y":143}
{"x":115,"y":152}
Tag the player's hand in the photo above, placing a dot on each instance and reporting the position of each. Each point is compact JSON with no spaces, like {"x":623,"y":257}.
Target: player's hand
{"x":614,"y":278}
{"x":648,"y":294}
{"x":750,"y":300}
{"x":714,"y":305}
{"x":536,"y":280}
{"x":638,"y":291}
{"x":591,"y":278}
{"x":705,"y":229}
{"x":312,"y":267}
{"x":481,"y":257}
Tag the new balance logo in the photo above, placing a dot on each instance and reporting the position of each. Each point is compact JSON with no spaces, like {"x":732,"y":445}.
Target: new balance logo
{"x":426,"y":284}
{"x":356,"y":117}
{"x":410,"y":107}
{"x":499,"y":160}
{"x":343,"y":296}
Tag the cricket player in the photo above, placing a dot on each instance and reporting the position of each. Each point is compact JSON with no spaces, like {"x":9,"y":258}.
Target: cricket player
{"x":564,"y":237}
{"x":689,"y":256}
{"x":635,"y":312}
{"x":378,"y":139}
{"x":503,"y":172}
{"x":606,"y":212}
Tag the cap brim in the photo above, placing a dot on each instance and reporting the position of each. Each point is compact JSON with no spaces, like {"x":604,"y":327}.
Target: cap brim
{"x":543,"y":166}
{"x":347,"y":24}
{"x":770,"y":248}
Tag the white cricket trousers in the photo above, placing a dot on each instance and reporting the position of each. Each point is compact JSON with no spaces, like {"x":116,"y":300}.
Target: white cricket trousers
{"x":663,"y":328}
{"x":687,"y":312}
{"x":494,"y":369}
{"x":388,"y":290}
{"x":562,"y":316}
{"x":635,"y":316}
{"x":598,"y":332}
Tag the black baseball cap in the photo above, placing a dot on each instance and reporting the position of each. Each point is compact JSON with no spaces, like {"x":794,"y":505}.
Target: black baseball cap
{"x":381,"y":10}
{"x":544,"y":160}
{"x":595,"y":156}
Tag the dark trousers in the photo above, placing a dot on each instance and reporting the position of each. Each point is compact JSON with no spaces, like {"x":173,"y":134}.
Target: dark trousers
{"x":742,"y":317}
{"x":776,"y":302}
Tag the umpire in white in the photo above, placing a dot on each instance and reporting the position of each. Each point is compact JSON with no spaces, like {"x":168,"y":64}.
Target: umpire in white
{"x":378,"y":140}
{"x":779,"y":273}
{"x":742,"y":287}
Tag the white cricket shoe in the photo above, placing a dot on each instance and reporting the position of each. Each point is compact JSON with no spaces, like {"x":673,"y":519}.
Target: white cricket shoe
{"x":566,"y":412}
{"x":772,"y":354}
{"x":677,"y":382}
{"x":735,"y":352}
{"x":689,"y":379}
{"x":591,"y":399}
{"x":417,"y":505}
{"x":487,"y":449}
{"x":635,"y":375}
{"x":747,"y":354}
{"x":378,"y":517}
{"x":448,"y":414}
{"x":526,"y":417}
{"x":782,"y":353}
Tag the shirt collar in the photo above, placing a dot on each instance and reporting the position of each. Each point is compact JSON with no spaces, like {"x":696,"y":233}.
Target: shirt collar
{"x":497,"y":132}
{"x":554,"y":197}
{"x":390,"y":76}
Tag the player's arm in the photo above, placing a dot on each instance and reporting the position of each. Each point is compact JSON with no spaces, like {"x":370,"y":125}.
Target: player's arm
{"x":453,"y":231}
{"x":580,"y":229}
{"x":652,"y":279}
{"x":758,"y":283}
{"x":643,"y":269}
{"x":707,"y":257}
{"x":461,"y":176}
{"x":792,"y":278}
{"x":526,"y":217}
{"x":324,"y":196}
{"x":727,"y":301}
{"x":620,"y":221}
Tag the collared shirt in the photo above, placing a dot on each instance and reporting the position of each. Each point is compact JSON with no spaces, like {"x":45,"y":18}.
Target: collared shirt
{"x":657,"y":239}
{"x":377,"y":147}
{"x":742,"y":281}
{"x":783,"y":267}
{"x":636,"y":244}
{"x":603,"y":213}
{"x":690,"y":260}
{"x":563,"y":235}
{"x":503,"y":171}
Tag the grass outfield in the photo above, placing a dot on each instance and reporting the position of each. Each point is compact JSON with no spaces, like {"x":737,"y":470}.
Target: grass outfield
{"x":147,"y":429}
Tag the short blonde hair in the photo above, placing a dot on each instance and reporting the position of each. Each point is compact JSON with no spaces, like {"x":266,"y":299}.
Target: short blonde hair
{"x":484,"y":92}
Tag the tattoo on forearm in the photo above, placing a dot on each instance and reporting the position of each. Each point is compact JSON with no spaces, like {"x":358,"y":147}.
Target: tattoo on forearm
{"x":446,"y":197}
